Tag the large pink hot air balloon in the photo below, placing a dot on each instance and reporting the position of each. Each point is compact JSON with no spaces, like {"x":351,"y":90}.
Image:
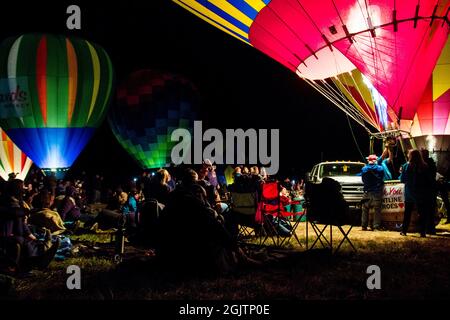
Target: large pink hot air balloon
{"x":394,"y":44}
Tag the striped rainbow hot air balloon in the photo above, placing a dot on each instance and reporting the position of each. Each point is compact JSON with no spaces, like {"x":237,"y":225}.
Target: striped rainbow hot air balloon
{"x":12,"y":159}
{"x":59,"y":89}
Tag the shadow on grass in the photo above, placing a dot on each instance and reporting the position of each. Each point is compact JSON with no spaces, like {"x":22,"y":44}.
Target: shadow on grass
{"x":141,"y":278}
{"x":411,"y":268}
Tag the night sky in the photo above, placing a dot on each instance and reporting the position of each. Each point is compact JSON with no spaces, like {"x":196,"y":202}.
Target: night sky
{"x":240,"y":87}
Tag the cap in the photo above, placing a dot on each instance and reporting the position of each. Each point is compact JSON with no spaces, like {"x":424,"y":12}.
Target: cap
{"x":372,"y":157}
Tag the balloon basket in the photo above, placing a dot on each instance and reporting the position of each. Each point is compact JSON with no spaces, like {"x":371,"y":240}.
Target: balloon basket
{"x":58,"y":173}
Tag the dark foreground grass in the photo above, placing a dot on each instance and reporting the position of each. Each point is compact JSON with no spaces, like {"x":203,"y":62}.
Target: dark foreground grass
{"x":411,"y":268}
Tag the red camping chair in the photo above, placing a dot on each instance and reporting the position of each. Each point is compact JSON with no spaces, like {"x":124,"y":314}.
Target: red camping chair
{"x":275,"y":217}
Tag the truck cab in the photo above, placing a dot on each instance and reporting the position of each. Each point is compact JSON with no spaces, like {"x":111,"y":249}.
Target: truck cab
{"x":347,"y":173}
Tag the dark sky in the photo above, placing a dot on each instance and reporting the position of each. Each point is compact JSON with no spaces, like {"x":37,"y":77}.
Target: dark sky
{"x":240,"y":87}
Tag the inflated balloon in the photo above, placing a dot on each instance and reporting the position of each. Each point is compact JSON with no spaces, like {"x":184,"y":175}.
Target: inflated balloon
{"x":431,"y":124}
{"x":150,"y":105}
{"x":12,"y":159}
{"x":54,"y":92}
{"x":394,"y":44}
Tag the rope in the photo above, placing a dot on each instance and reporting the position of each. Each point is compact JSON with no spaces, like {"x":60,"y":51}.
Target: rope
{"x":354,"y":139}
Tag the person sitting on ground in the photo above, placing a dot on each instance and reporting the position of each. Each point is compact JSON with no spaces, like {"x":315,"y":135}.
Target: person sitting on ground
{"x":158,"y":188}
{"x":211,"y":174}
{"x":111,"y":216}
{"x":43,"y":217}
{"x":68,"y":208}
{"x":237,"y":173}
{"x":198,"y":241}
{"x":131,"y":208}
{"x":298,"y":189}
{"x":263,"y":173}
{"x":118,"y":199}
{"x":200,"y":193}
{"x":21,"y":244}
{"x":254,"y":173}
{"x":373,"y":179}
{"x":202,"y":179}
{"x":29,"y":194}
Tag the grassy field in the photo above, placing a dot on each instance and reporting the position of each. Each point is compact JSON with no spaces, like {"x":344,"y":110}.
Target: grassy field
{"x":411,"y":268}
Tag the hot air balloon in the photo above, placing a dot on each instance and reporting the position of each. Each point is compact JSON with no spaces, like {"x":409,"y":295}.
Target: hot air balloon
{"x":55,"y":93}
{"x":12,"y":159}
{"x":433,"y":114}
{"x":393,"y":44}
{"x":431,"y":124}
{"x":150,"y":105}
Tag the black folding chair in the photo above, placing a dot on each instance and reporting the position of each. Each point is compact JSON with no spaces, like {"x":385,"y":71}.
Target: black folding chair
{"x":243,"y":206}
{"x":325,"y":205}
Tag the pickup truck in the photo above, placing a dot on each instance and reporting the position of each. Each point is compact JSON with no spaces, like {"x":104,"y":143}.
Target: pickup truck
{"x":347,"y":173}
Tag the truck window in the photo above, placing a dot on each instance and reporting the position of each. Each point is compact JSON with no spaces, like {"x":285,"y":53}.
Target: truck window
{"x":314,"y":172}
{"x":341,"y":169}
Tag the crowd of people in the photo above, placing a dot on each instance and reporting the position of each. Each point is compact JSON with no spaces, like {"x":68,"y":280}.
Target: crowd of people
{"x":182,"y":213}
{"x":192,"y":219}
{"x":421,"y":188}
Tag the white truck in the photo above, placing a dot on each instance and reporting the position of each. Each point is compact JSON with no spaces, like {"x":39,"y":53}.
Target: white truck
{"x":347,"y":173}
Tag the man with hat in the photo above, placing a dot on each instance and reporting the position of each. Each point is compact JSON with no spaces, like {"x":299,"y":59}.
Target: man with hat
{"x":372,"y":176}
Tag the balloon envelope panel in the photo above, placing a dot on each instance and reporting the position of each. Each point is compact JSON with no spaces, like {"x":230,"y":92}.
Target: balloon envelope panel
{"x":433,"y":114}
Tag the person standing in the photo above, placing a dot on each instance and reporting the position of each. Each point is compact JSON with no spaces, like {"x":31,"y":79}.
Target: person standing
{"x":159,"y":188}
{"x":442,"y":184}
{"x":386,"y":160}
{"x":415,"y":175}
{"x":432,"y":192}
{"x":372,"y":176}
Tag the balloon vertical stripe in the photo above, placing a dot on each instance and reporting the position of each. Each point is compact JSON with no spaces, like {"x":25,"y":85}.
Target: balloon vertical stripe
{"x":73,"y":77}
{"x":41,"y":78}
{"x":96,"y":70}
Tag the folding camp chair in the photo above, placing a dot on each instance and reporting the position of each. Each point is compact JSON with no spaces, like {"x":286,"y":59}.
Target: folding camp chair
{"x":244,"y":206}
{"x":325,"y":205}
{"x":280,"y":228}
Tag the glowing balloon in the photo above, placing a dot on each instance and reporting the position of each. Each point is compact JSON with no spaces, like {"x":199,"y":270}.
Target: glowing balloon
{"x":150,"y":105}
{"x":12,"y":159}
{"x":394,"y":44}
{"x":55,"y":93}
{"x":431,"y":124}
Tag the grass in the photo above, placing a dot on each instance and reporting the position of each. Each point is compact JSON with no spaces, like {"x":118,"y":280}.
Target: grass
{"x":91,"y":238}
{"x":411,"y":268}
